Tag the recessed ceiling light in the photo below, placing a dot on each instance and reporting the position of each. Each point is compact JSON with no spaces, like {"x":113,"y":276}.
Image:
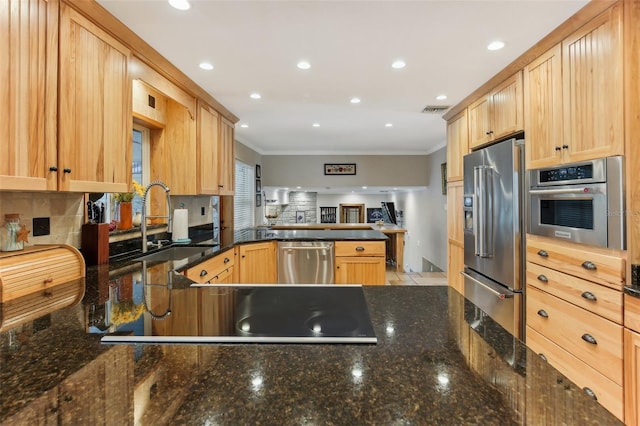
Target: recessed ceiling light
{"x":255,"y":95}
{"x":364,"y":187}
{"x":441,"y":97}
{"x":388,"y":125}
{"x":206,"y":66}
{"x":298,"y":187}
{"x":495,"y":45}
{"x":180,"y":4}
{"x":244,"y":126}
{"x":316,"y":124}
{"x":304,"y":65}
{"x":355,"y":100}
{"x":398,"y":64}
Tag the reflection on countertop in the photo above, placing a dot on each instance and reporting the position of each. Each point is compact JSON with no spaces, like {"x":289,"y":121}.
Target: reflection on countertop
{"x":429,"y":367}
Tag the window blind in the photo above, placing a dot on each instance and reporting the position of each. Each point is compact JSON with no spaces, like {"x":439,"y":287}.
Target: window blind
{"x":244,"y":199}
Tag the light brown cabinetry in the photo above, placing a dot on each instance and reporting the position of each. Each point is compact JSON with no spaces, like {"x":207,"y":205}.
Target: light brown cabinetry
{"x":208,"y":148}
{"x":543,"y":109}
{"x":258,"y":263}
{"x":593,"y":97}
{"x":455,"y":231}
{"x":498,"y":114}
{"x":360,"y":262}
{"x":217,"y":270}
{"x":28,"y":94}
{"x":632,"y":359}
{"x":457,"y":145}
{"x":94,"y":116}
{"x":574,"y":314}
{"x":226,"y":164}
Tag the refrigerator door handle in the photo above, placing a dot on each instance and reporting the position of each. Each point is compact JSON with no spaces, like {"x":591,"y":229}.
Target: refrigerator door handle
{"x":483,"y":213}
{"x":500,"y":294}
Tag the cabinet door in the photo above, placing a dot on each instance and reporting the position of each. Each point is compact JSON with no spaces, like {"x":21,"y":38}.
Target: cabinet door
{"x":455,"y":213}
{"x":455,"y":266}
{"x":593,"y":98}
{"x":507,"y":107}
{"x":543,"y":109}
{"x":360,"y":270}
{"x":180,"y":142}
{"x":28,"y":94}
{"x":258,"y":263}
{"x":208,"y":150}
{"x":227,"y":165}
{"x":480,"y":122}
{"x":631,"y":377}
{"x":95,"y":121}
{"x":457,"y":145}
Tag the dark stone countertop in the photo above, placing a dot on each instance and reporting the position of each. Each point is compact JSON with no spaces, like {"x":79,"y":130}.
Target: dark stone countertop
{"x":417,"y":373}
{"x":266,"y":234}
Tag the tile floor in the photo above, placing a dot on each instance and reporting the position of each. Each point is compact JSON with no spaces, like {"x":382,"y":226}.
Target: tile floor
{"x":415,"y":278}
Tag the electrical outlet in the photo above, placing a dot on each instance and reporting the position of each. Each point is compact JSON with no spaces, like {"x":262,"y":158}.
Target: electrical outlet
{"x":41,"y":226}
{"x":202,"y":211}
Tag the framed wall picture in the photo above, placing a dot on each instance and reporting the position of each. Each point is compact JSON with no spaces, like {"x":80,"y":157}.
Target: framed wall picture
{"x":340,"y":169}
{"x":258,"y":200}
{"x":258,"y":186}
{"x":300,"y":216}
{"x":374,"y":214}
{"x":258,"y":171}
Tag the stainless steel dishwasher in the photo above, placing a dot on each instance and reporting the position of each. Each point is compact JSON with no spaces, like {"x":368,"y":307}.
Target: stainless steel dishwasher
{"x":305,"y":262}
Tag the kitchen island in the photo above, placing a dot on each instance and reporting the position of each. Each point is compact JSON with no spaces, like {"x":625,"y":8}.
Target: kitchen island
{"x":428,"y":367}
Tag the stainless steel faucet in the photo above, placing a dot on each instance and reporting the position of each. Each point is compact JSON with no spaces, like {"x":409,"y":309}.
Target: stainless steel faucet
{"x":143,"y":223}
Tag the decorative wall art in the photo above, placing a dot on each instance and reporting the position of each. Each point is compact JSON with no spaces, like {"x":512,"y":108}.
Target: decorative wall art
{"x":258,"y":186}
{"x":340,"y":169}
{"x":300,"y":216}
{"x":258,"y":200}
{"x":374,"y":214}
{"x":258,"y":171}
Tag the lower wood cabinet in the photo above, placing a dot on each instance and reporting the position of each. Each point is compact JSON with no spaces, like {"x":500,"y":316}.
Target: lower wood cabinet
{"x":258,"y":263}
{"x":360,"y":262}
{"x":217,"y":270}
{"x":631,"y":377}
{"x":456,"y":266}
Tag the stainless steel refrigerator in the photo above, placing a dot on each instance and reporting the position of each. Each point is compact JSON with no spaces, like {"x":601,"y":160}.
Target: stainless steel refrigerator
{"x":494,"y":232}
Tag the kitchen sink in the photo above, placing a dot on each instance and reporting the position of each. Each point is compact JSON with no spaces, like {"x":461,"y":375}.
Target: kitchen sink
{"x":172,"y":253}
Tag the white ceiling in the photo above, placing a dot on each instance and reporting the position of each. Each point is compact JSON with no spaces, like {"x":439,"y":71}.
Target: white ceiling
{"x":255,"y":46}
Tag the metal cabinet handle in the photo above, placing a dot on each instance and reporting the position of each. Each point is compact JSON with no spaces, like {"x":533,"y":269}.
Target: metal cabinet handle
{"x":589,"y":392}
{"x":544,"y":358}
{"x":589,"y":265}
{"x":226,"y":260}
{"x":543,"y":313}
{"x":543,"y":278}
{"x":589,"y":339}
{"x":359,"y":248}
{"x":53,"y":169}
{"x":47,"y":293}
{"x":543,"y":253}
{"x":489,"y":132}
{"x":558,"y":148}
{"x":589,"y":296}
{"x":66,"y":170}
{"x":203,"y":272}
{"x":565,"y":146}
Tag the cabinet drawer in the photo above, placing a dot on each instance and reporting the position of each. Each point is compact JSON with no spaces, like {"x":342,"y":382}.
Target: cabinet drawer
{"x":571,"y":327}
{"x":360,"y":248}
{"x":224,"y":277}
{"x":605,"y":267}
{"x":608,"y":393}
{"x":600,"y":300}
{"x":210,"y":268}
{"x":632,"y":312}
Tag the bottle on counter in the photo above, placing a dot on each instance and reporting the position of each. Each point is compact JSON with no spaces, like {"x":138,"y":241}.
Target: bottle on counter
{"x":11,"y":233}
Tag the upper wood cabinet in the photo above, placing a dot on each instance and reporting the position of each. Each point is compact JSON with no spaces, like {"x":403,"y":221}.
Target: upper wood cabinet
{"x":28,"y":94}
{"x":208,"y":149}
{"x":227,"y":164}
{"x":95,"y":124}
{"x":593,"y":97}
{"x":543,"y":109}
{"x":457,"y":145}
{"x":498,"y":114}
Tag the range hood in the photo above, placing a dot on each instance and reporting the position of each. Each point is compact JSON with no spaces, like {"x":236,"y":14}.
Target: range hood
{"x":277,"y":196}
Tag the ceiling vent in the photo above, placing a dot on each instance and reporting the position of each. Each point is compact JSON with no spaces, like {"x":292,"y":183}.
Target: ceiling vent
{"x":435,"y":109}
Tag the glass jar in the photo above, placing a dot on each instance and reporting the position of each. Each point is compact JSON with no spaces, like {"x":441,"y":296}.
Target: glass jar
{"x":9,"y":234}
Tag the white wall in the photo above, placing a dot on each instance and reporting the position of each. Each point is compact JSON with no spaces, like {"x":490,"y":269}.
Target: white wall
{"x":425,"y":218}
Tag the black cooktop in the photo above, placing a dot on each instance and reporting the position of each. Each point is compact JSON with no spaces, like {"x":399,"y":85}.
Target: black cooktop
{"x":255,"y":314}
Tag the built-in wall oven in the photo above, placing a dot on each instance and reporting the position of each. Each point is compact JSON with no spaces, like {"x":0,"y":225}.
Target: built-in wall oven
{"x":581,"y":202}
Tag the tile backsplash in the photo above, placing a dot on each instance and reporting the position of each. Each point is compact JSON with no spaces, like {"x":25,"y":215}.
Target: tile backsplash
{"x":65,"y":210}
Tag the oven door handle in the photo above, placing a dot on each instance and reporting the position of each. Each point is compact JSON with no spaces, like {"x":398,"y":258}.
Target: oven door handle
{"x":499,"y":294}
{"x":580,"y":190}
